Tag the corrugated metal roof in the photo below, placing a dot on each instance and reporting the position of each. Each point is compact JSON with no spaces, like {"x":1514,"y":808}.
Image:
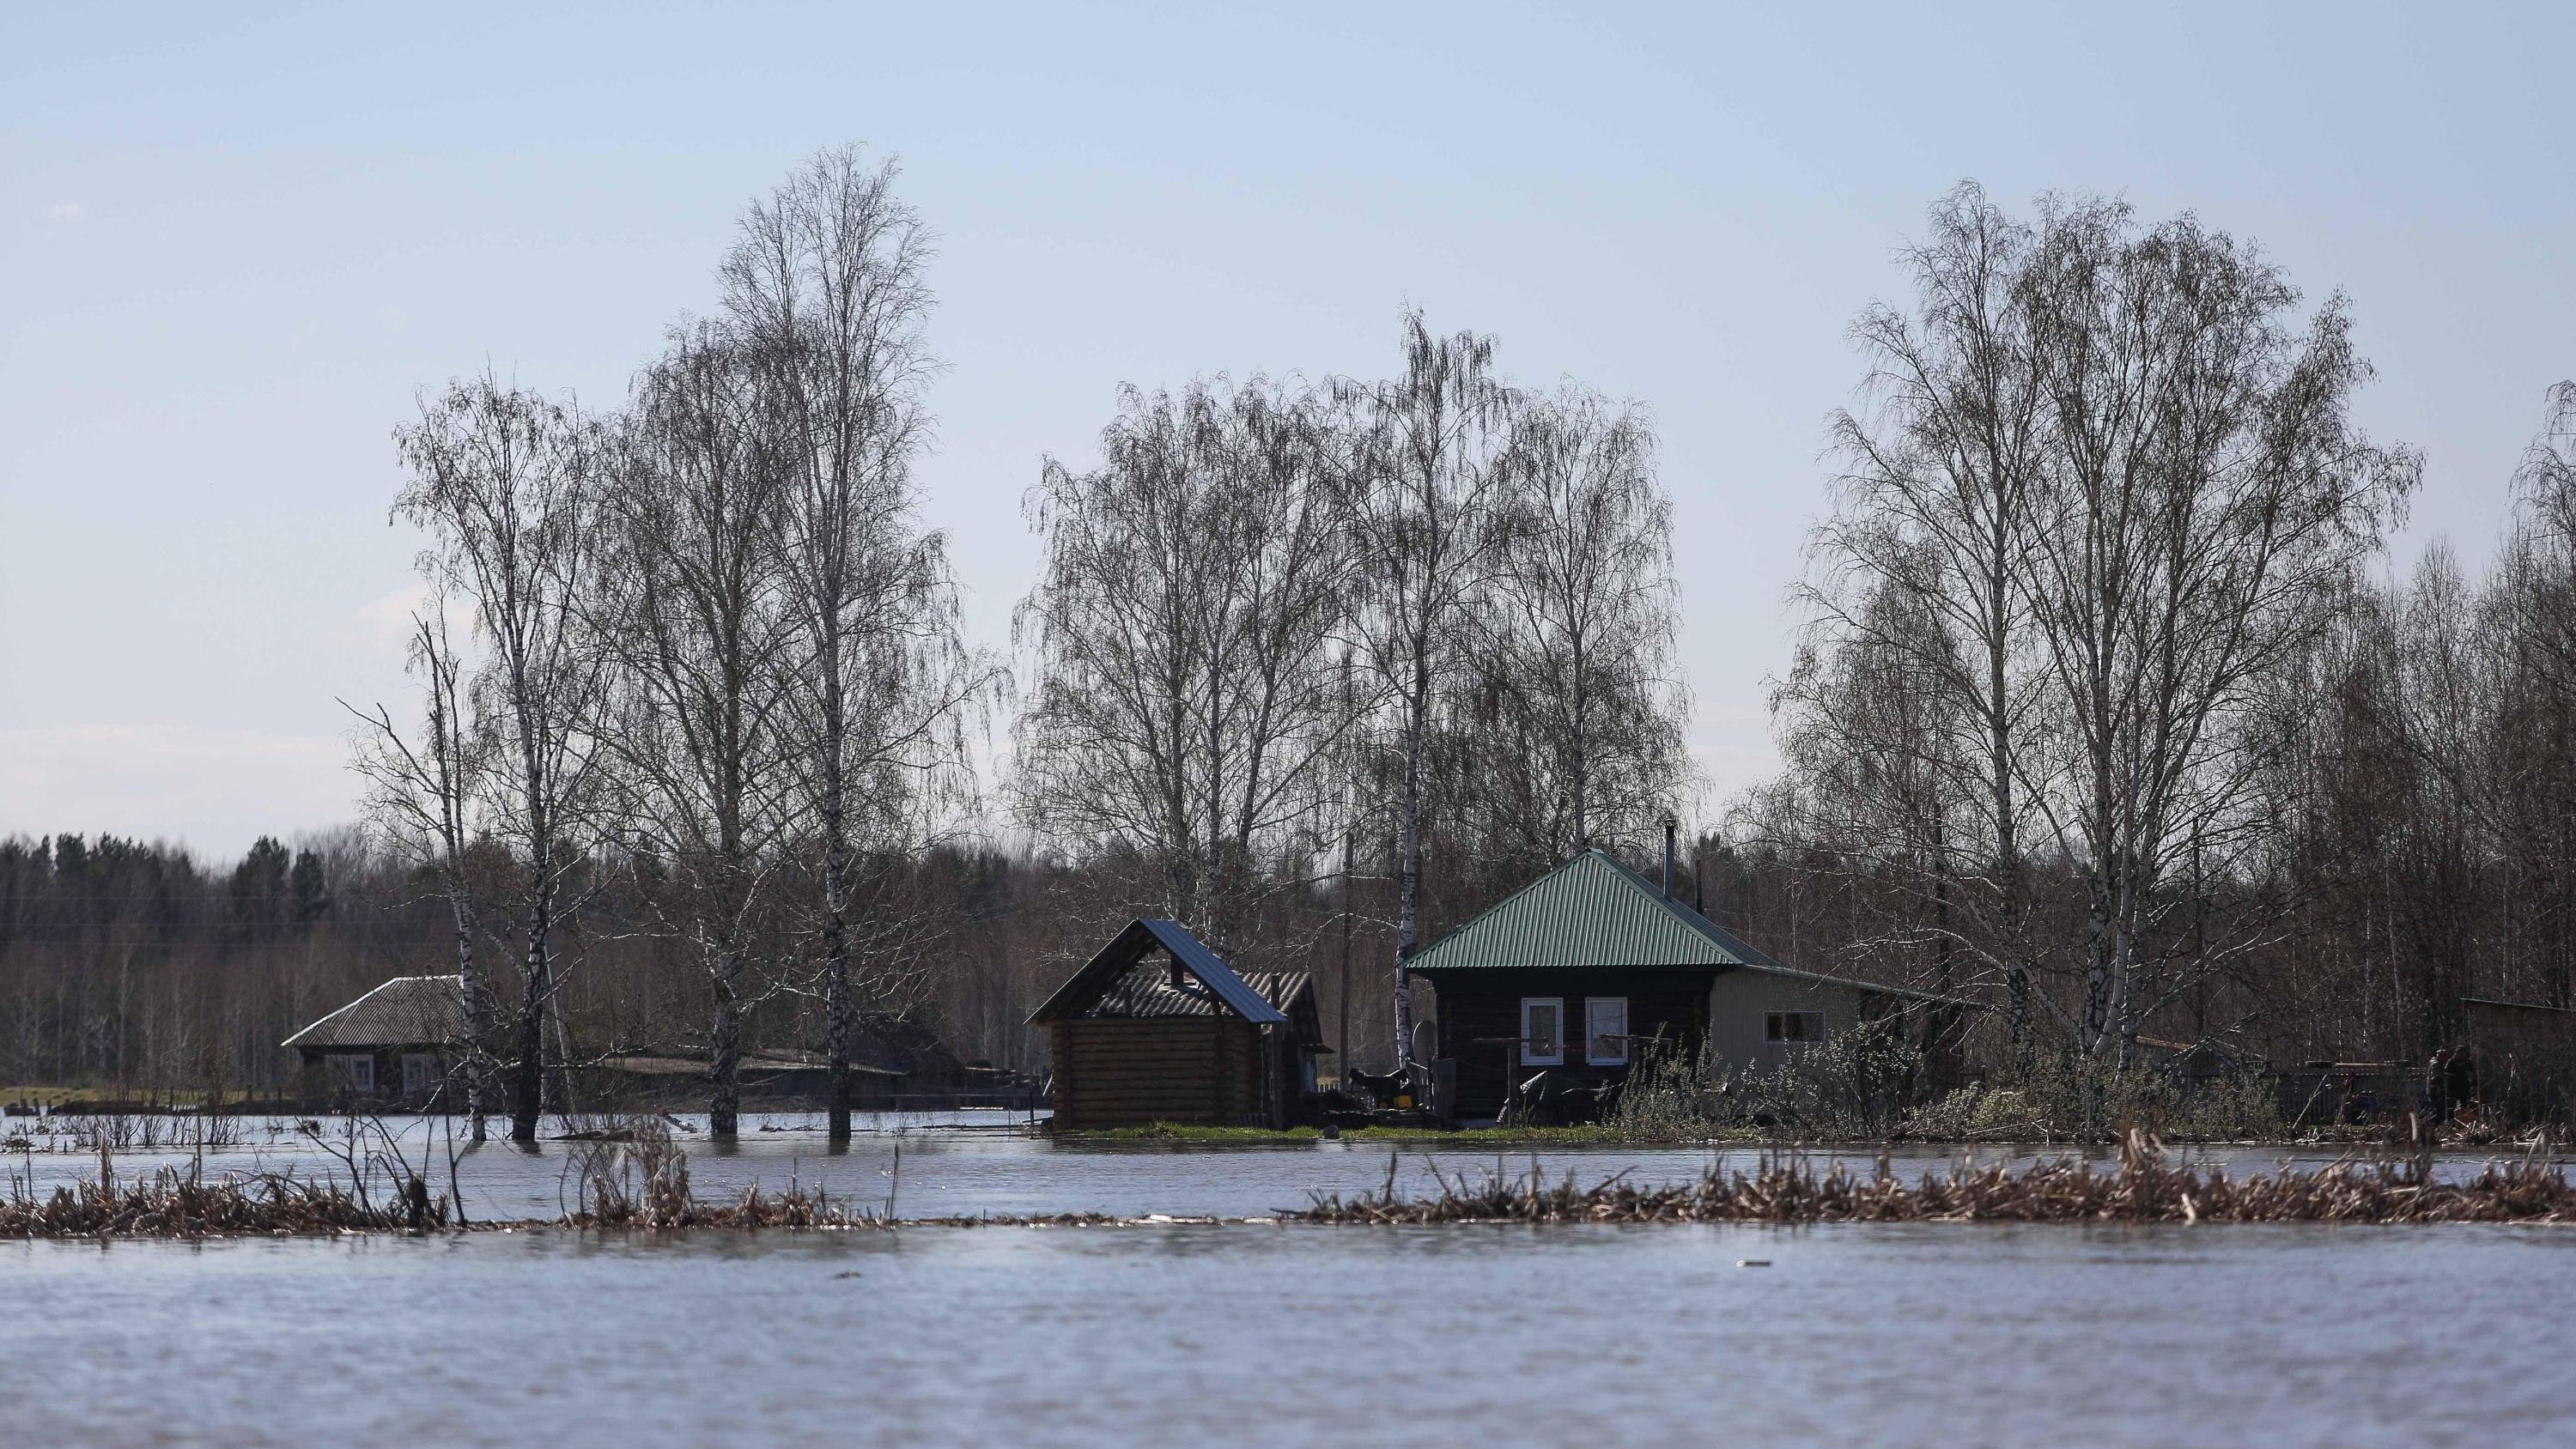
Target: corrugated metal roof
{"x":1594,"y":911}
{"x":1590,"y":911}
{"x":406,"y":1011}
{"x":1145,"y":989}
{"x":1109,"y":970}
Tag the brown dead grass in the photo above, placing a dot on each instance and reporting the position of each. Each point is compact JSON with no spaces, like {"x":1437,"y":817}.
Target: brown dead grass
{"x":173,"y":1204}
{"x":2147,"y":1187}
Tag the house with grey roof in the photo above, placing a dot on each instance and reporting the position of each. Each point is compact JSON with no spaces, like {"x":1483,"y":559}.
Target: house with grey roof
{"x":1577,"y":971}
{"x":391,"y":1047}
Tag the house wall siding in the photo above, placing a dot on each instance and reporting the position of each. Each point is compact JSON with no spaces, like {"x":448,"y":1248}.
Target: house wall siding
{"x":322,"y":1088}
{"x":1740,"y":1002}
{"x":1478,"y":1017}
{"x":1125,"y":1072}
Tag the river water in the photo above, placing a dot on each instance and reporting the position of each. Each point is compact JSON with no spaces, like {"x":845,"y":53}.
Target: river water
{"x":1252,"y":1334}
{"x":1187,"y":1334}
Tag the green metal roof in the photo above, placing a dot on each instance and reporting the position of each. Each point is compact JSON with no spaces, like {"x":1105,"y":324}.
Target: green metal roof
{"x":1591,"y":911}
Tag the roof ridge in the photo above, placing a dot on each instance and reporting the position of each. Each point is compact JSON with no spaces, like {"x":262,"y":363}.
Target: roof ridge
{"x":1692,"y":916}
{"x":1594,"y":904}
{"x":1132,"y":943}
{"x":361,"y":999}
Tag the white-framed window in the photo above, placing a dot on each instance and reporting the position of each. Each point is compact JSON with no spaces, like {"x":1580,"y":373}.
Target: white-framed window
{"x":1605,"y":1030}
{"x":1543,"y":1031}
{"x":1794,"y":1027}
{"x":357,"y":1070}
{"x":420,"y":1073}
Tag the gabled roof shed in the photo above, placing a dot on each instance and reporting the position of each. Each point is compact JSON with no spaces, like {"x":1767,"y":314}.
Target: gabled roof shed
{"x":1154,"y":1028}
{"x":1107,"y":984}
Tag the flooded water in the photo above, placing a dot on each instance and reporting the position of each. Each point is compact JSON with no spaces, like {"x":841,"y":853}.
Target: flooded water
{"x":1250,"y":1334}
{"x":986,"y":1164}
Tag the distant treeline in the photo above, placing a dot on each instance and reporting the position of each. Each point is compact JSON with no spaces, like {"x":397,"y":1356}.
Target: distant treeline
{"x":144,"y":968}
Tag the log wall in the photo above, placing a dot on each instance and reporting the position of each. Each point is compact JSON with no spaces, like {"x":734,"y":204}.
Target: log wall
{"x":1125,"y":1072}
{"x":1479,"y":1014}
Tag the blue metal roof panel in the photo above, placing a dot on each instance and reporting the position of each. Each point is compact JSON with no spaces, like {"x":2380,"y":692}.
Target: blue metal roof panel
{"x":1201,"y":962}
{"x":1103,"y":973}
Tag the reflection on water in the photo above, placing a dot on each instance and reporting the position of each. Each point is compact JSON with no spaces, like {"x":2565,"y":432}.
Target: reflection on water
{"x":1856,"y":1335}
{"x":979,"y":1163}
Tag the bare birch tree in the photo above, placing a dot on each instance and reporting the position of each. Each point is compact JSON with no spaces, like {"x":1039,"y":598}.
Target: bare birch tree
{"x":1921,"y":566}
{"x":826,"y":289}
{"x":502,"y":480}
{"x":2530,"y":624}
{"x":694,"y":611}
{"x":2204,"y":501}
{"x":1186,"y":701}
{"x":1432,"y":482}
{"x":426,"y":795}
{"x":1583,"y":641}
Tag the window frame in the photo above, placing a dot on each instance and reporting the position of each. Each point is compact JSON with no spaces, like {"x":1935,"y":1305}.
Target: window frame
{"x":1592,"y":1058}
{"x":1811,"y":1027}
{"x":427,"y":1064}
{"x":357,"y":1070}
{"x":1530,"y":1058}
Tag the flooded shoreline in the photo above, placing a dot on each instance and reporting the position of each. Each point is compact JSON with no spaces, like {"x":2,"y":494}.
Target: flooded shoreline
{"x":371,"y":1178}
{"x":956,"y":1166}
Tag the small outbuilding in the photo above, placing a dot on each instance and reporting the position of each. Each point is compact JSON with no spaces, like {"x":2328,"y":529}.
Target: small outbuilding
{"x":1579,"y":970}
{"x":1155,"y":1028}
{"x":389,"y":1048}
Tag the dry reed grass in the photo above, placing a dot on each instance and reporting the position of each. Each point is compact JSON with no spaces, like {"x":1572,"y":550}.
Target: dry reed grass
{"x":175,"y":1204}
{"x":637,"y":1177}
{"x":2146,"y":1188}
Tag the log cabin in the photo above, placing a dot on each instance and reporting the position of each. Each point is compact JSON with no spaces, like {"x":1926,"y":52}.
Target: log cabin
{"x":1154,"y":1028}
{"x":1577,"y":971}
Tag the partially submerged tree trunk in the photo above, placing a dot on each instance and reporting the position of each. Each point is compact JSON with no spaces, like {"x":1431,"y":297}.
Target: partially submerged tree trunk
{"x":527,"y":1105}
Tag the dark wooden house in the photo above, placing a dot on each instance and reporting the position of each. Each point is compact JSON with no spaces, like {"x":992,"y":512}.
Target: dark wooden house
{"x":1581,"y":969}
{"x":389,"y":1048}
{"x":1156,"y":1029}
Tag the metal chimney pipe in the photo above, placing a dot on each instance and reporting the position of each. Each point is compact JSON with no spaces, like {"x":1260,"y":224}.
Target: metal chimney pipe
{"x":1670,"y":827}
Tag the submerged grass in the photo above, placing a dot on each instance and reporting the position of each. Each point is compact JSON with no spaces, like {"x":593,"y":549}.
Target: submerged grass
{"x":636,"y":1177}
{"x":175,"y":1204}
{"x":640,"y":1183}
{"x":2146,"y":1188}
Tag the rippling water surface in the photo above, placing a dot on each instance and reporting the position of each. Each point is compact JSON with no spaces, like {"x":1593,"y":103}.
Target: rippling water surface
{"x":1249,"y":1334}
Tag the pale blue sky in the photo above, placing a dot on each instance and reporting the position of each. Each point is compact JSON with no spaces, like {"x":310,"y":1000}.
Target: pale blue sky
{"x":233,"y":245}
